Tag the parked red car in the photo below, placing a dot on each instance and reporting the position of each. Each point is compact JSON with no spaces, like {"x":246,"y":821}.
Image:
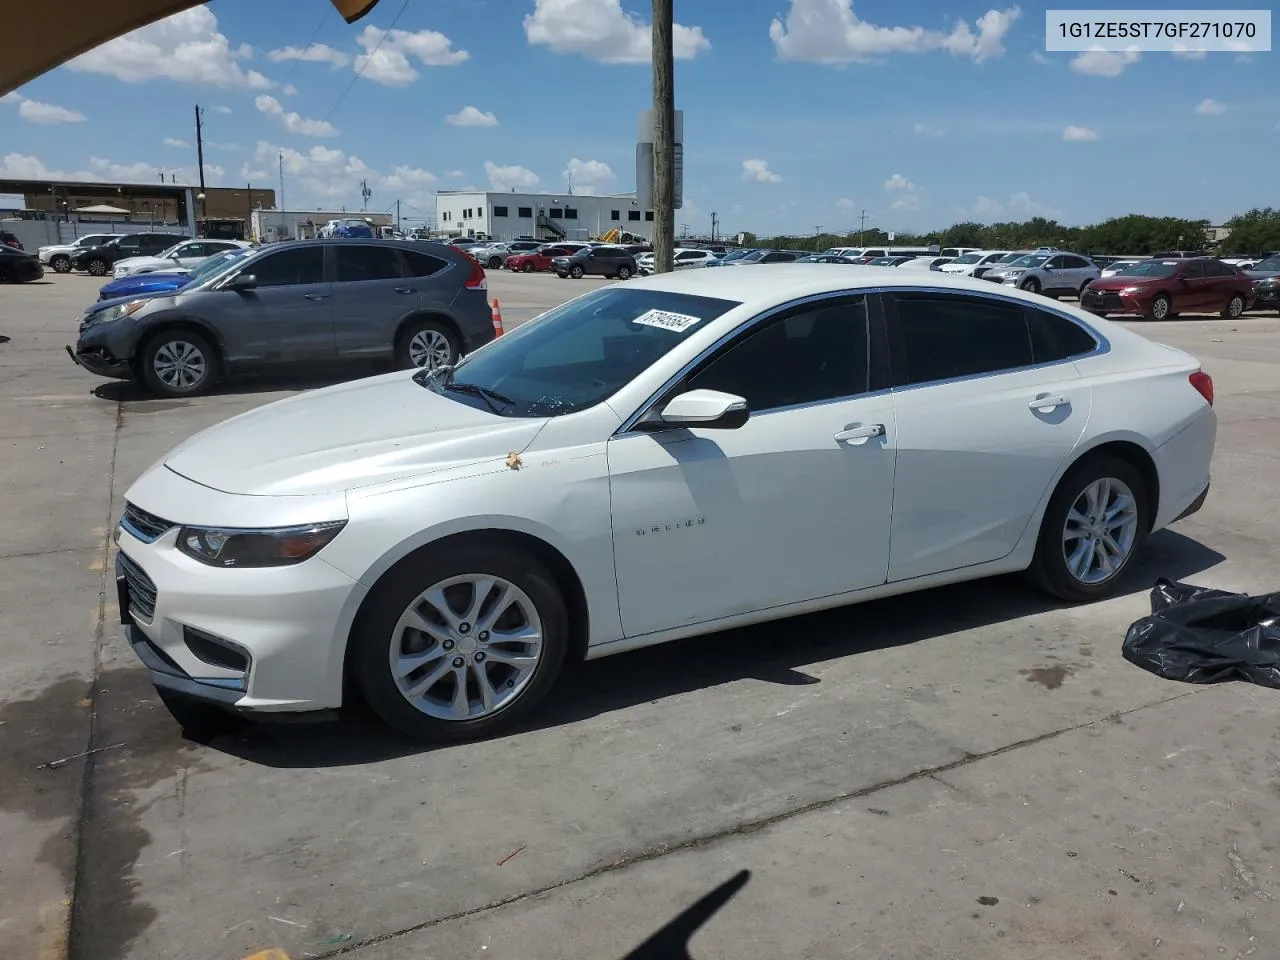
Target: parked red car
{"x":536,"y":260}
{"x":1162,"y":289}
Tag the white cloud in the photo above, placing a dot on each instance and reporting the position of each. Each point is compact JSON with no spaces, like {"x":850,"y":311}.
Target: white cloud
{"x":175,"y":142}
{"x":514,"y":177}
{"x":1210,"y":108}
{"x":289,"y":90}
{"x":1104,"y":63}
{"x":294,"y":122}
{"x":1019,"y":205}
{"x":759,"y":172}
{"x":1040,"y":58}
{"x":601,"y":30}
{"x":455,"y":174}
{"x":898,"y":182}
{"x":1182,"y":53}
{"x":907,"y":196}
{"x":1079,"y":133}
{"x":219,"y":108}
{"x":1243,"y":58}
{"x":846,"y":205}
{"x":316,"y":53}
{"x":922,"y":130}
{"x":828,"y":31}
{"x":221,"y":145}
{"x":11,"y":97}
{"x":402,"y":176}
{"x":186,"y":46}
{"x":589,"y":177}
{"x":248,"y":173}
{"x":17,"y":166}
{"x":472,"y":117}
{"x":45,"y":114}
{"x":386,"y":56}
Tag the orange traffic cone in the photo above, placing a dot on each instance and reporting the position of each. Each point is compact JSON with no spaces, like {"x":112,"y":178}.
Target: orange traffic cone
{"x":497,"y":320}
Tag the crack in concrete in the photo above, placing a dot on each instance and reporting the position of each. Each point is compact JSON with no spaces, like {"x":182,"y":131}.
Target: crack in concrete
{"x":751,"y":826}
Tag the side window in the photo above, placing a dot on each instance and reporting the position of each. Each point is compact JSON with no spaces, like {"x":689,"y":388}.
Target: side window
{"x":556,"y":213}
{"x":130,"y":243}
{"x":571,"y":213}
{"x":359,"y":263}
{"x":1212,"y":268}
{"x":633,"y":215}
{"x":1056,"y":263}
{"x":524,"y":211}
{"x":421,"y":264}
{"x":211,"y":248}
{"x":1193,"y":270}
{"x":817,"y":354}
{"x":615,"y":215}
{"x":1078,"y":263}
{"x":303,"y":265}
{"x":648,"y":215}
{"x":499,"y":211}
{"x":1057,"y":338}
{"x":944,"y":337}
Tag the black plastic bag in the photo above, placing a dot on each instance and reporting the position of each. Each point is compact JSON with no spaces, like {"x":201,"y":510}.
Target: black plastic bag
{"x":1198,"y":635}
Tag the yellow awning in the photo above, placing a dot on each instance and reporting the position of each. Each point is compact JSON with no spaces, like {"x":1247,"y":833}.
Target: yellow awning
{"x":48,"y":34}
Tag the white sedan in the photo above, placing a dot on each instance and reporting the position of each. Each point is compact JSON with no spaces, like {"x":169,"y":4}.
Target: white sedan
{"x":653,"y":460}
{"x":181,"y":256}
{"x":681,"y":259}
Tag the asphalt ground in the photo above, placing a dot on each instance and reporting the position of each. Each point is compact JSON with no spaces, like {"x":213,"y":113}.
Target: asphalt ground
{"x":972,"y":772}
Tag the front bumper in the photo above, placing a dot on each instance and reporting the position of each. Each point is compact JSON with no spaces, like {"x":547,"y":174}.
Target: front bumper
{"x":98,"y":360}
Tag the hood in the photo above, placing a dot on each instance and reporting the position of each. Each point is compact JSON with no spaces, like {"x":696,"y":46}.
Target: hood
{"x":138,"y":261}
{"x":158,"y":282}
{"x":1112,"y":284}
{"x":349,"y":435}
{"x":1261,"y":274}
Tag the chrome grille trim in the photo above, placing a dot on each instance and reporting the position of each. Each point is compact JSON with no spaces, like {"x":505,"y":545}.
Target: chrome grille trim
{"x":142,"y":589}
{"x":146,"y":527}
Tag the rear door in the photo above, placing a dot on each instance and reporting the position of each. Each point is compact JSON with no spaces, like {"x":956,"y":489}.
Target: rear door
{"x":370,"y":295}
{"x":1191,"y":289}
{"x":1221,"y":284}
{"x":983,"y":427}
{"x":288,"y":316}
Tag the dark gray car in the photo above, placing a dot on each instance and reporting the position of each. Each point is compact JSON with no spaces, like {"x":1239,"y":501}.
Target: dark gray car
{"x":304,"y":303}
{"x":596,"y":261}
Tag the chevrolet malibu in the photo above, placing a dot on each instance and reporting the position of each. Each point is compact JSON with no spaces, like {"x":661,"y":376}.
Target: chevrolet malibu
{"x":654,"y":460}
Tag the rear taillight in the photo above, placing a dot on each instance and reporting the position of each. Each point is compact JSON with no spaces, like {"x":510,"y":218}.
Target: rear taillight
{"x":476,"y":279}
{"x":1203,"y":384}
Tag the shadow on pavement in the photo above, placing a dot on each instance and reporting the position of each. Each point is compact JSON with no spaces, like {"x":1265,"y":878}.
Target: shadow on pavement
{"x":127,"y":391}
{"x":775,"y":652}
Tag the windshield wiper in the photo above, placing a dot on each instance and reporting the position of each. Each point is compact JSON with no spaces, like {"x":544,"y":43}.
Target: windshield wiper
{"x":484,"y":393}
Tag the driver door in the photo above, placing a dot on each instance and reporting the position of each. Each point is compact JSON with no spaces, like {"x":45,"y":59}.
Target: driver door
{"x":791,"y":506}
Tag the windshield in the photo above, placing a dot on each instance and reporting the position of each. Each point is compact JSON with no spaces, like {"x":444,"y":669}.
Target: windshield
{"x":1271,"y":263}
{"x":578,"y":354}
{"x":171,"y":252}
{"x":754,"y":255}
{"x":215,"y":266}
{"x":968,"y":258}
{"x":1030,"y":260}
{"x":1151,"y":268}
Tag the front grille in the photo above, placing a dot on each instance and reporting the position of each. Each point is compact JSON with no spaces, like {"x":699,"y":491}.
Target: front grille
{"x":1093,"y":300}
{"x":142,"y":589}
{"x":147,"y":527}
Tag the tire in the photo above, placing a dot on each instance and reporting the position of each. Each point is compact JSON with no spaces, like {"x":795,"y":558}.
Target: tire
{"x":1158,"y":309}
{"x":1052,"y":569}
{"x":624,"y":273}
{"x":1083,"y":287}
{"x":495,"y":263}
{"x":433,"y":712}
{"x":1234,"y":308}
{"x":576,"y":272}
{"x":562,"y":275}
{"x":61,"y":264}
{"x":98,"y":267}
{"x":178,"y":363}
{"x":1031,"y":286}
{"x":426,"y":344}
{"x":527,"y":268}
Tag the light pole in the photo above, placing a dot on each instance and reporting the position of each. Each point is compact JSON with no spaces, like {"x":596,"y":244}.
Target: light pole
{"x":664,"y":148}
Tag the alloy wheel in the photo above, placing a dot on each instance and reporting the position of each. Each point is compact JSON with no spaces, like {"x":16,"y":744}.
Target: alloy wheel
{"x":180,"y":365}
{"x":430,"y":350}
{"x":1101,"y":529}
{"x":61,"y":265}
{"x":466,"y":647}
{"x":1235,"y":307}
{"x":1160,"y":308}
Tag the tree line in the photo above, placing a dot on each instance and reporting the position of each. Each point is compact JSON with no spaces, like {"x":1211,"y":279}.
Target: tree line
{"x":1255,"y":232}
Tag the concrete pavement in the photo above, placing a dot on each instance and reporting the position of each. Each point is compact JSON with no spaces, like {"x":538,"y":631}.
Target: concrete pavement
{"x":971,"y":772}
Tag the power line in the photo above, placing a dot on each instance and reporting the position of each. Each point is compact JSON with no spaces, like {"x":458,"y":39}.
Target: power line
{"x":404,"y":6}
{"x":294,"y":66}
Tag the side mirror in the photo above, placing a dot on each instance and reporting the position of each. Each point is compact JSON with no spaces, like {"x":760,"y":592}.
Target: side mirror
{"x":242,"y":283}
{"x":709,"y":409}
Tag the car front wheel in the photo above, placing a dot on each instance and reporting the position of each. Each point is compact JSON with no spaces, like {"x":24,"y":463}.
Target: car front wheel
{"x":575,"y":272}
{"x":61,"y":264}
{"x":98,"y":268}
{"x":178,"y":363}
{"x":1096,"y":523}
{"x":1159,"y":308}
{"x":462,"y":644}
{"x":1031,"y":286}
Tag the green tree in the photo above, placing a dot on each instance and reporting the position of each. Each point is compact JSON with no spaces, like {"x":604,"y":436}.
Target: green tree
{"x":1257,"y":231}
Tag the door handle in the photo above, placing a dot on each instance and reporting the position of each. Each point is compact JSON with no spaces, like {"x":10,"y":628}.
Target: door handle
{"x":406,"y":290}
{"x":857,"y":436}
{"x":316,"y":296}
{"x":1045,"y":403}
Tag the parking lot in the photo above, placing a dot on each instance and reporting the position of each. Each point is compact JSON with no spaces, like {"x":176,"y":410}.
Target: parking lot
{"x":972,"y":772}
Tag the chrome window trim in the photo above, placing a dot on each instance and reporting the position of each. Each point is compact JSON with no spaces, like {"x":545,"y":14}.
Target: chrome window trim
{"x":1102,"y":346}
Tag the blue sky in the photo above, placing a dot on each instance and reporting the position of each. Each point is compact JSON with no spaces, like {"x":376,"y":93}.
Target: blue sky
{"x":798,"y":113}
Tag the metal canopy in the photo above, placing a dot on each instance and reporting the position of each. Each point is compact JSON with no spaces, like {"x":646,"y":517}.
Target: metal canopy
{"x":41,"y":36}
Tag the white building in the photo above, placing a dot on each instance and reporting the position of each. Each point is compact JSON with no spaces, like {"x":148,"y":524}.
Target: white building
{"x":542,"y":216}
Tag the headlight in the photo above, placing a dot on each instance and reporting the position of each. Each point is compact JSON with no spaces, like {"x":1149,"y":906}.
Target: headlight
{"x":280,"y":547}
{"x":114,"y":313}
{"x":1130,"y":291}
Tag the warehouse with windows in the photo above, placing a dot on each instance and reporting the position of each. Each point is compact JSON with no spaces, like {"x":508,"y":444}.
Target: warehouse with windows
{"x":543,"y":216}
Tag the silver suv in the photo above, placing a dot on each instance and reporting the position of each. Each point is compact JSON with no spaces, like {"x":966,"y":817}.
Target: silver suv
{"x":1052,"y":273}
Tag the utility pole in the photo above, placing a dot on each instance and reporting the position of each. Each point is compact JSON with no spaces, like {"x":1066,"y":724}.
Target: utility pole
{"x":713,"y":226}
{"x":817,"y":235}
{"x":398,"y":217}
{"x":664,"y":148}
{"x":281,"y":203}
{"x":365,"y":194}
{"x":862,"y":226}
{"x":204,"y":208}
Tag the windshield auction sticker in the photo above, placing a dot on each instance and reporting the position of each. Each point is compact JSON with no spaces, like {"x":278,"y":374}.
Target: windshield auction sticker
{"x":675,"y":322}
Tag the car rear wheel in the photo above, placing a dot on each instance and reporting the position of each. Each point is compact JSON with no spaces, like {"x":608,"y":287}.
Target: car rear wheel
{"x":1158,"y":309}
{"x":98,"y":267}
{"x":1083,"y":287}
{"x":178,"y":363}
{"x":462,"y":644}
{"x":575,"y":272}
{"x":495,"y":263}
{"x":1031,"y":286}
{"x":1234,"y":307}
{"x":61,"y":264}
{"x":1096,"y":523}
{"x":427,"y":345}
{"x":624,"y":273}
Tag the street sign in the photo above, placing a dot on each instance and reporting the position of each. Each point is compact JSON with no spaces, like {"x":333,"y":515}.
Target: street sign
{"x":644,"y":160}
